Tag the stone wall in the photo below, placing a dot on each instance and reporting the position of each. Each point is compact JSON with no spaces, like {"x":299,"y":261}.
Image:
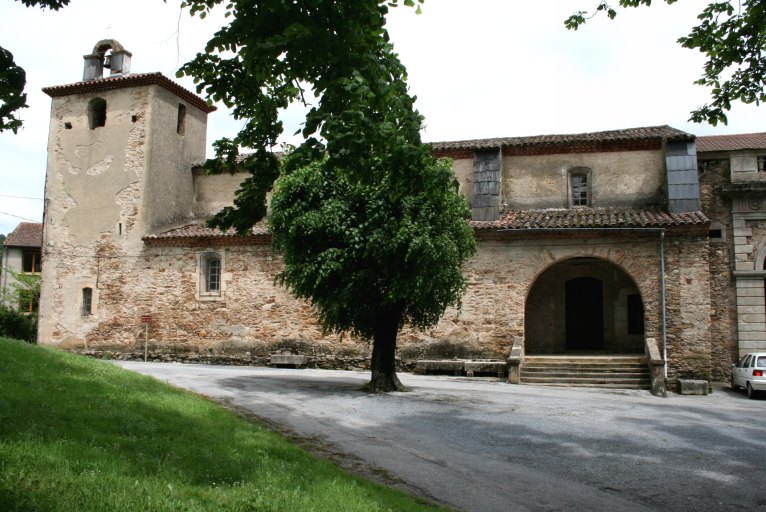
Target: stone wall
{"x":254,"y":318}
{"x":714,"y":175}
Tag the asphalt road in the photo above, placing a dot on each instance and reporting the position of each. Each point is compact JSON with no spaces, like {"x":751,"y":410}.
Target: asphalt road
{"x":484,"y":445}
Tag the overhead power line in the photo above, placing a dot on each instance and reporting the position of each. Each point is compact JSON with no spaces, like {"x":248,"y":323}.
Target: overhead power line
{"x":19,"y":217}
{"x":22,"y":197}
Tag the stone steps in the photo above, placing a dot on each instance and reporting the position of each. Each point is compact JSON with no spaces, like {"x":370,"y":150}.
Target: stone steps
{"x":612,"y":372}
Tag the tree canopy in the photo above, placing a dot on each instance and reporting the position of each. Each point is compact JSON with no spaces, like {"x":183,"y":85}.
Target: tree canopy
{"x":13,"y":78}
{"x":371,"y":226}
{"x":732,"y":35}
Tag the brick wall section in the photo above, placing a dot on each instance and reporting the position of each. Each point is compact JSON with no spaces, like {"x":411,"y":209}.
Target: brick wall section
{"x":714,"y":175}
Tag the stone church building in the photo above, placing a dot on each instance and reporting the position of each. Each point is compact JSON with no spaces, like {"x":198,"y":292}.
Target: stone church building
{"x":593,"y":243}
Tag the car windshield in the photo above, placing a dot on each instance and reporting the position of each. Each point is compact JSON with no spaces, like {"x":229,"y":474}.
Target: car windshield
{"x":761,"y":362}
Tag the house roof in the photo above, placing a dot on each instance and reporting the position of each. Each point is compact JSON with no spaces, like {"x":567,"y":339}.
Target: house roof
{"x":200,"y":233}
{"x":569,"y":218}
{"x":738,"y":142}
{"x":649,"y":133}
{"x":26,"y":234}
{"x":520,"y":220}
{"x":130,"y":80}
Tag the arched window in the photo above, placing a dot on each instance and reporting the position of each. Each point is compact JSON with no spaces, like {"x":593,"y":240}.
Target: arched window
{"x":210,"y":268}
{"x":97,"y":113}
{"x":181,"y":123}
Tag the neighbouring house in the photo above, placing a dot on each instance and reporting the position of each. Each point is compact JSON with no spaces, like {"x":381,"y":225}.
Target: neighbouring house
{"x":21,"y":257}
{"x":591,"y":244}
{"x":733,"y":185}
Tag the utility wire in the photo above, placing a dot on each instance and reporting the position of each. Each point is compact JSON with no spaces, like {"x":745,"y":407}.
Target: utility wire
{"x":22,"y":197}
{"x":18,"y":217}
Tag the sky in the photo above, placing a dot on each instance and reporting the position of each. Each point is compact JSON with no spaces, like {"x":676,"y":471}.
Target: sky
{"x":480,"y":68}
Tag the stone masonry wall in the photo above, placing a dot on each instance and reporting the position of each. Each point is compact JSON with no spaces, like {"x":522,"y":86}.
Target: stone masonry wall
{"x":713,"y":176}
{"x":254,"y":318}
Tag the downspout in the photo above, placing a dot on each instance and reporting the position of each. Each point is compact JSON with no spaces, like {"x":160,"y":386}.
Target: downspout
{"x":664,"y":319}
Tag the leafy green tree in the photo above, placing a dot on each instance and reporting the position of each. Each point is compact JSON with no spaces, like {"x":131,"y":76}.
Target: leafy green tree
{"x":371,"y":226}
{"x":732,"y":35}
{"x":13,"y":78}
{"x":370,"y":261}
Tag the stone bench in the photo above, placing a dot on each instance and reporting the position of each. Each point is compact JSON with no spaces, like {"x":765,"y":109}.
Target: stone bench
{"x":692,"y":387}
{"x":440,"y":365}
{"x":473,"y":367}
{"x":288,"y":360}
{"x":458,"y":366}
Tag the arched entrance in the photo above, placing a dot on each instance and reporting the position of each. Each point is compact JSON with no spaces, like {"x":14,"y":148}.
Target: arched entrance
{"x":584,"y":305}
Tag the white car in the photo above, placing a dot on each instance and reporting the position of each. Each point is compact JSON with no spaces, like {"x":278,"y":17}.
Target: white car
{"x":750,"y":373}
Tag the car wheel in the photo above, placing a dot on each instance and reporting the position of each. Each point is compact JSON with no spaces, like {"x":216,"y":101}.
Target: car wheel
{"x":750,"y":391}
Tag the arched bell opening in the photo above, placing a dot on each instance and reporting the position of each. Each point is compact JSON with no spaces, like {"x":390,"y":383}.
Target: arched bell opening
{"x":584,"y":305}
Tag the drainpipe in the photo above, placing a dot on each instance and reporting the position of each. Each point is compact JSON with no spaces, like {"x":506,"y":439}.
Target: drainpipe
{"x":664,"y":319}
{"x":661,"y":231}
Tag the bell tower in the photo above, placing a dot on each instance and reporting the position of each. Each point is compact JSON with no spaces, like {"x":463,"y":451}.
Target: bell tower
{"x":121,"y":147}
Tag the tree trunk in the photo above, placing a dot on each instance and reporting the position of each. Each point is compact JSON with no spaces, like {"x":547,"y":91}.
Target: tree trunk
{"x":384,"y":377}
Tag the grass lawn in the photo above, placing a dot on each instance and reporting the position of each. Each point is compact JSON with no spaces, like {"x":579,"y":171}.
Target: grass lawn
{"x":78,"y":434}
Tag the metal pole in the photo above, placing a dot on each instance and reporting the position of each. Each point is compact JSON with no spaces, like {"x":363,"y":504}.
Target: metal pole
{"x":146,"y":340}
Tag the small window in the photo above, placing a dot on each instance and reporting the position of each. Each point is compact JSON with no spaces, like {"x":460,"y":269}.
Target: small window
{"x":213,"y":275}
{"x":181,"y":124}
{"x":579,"y":190}
{"x":97,"y":113}
{"x":762,"y":164}
{"x":87,"y":301}
{"x":31,"y":262}
{"x":211,"y":266}
{"x":635,"y":314}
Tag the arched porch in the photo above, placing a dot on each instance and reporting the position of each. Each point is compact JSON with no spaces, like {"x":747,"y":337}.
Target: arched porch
{"x":584,"y":305}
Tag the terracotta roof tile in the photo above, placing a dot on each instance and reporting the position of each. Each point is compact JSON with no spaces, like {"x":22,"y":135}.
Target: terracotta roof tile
{"x":201,"y":231}
{"x":130,"y":80}
{"x":630,"y":134}
{"x":563,"y":218}
{"x":26,"y":234}
{"x":731,"y":142}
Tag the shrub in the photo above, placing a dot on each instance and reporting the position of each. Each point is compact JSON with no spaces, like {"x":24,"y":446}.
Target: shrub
{"x":17,"y":325}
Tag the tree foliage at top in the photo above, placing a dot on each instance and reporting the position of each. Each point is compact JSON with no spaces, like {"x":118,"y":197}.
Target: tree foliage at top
{"x":13,"y":78}
{"x":263,"y":61}
{"x":732,"y":35}
{"x":371,"y":226}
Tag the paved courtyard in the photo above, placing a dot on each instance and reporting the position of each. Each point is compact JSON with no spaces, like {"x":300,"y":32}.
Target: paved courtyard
{"x":484,"y":445}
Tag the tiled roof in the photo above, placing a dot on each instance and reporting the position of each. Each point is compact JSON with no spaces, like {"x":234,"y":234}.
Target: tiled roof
{"x":562,"y":218}
{"x":626,"y":135}
{"x":131,"y":80}
{"x":26,"y":234}
{"x":201,"y":231}
{"x":542,"y":219}
{"x":731,"y":142}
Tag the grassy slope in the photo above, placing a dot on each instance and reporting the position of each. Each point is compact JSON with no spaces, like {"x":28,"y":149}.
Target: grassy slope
{"x":79,"y":434}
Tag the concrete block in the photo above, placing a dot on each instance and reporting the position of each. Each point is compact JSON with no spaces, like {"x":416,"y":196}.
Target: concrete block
{"x":750,"y":301}
{"x":750,"y":292}
{"x":738,"y":223}
{"x":692,"y":387}
{"x":749,"y":283}
{"x":743,"y":232}
{"x":753,"y":318}
{"x":743,"y":249}
{"x":288,"y":360}
{"x":740,"y":240}
{"x":752,"y":336}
